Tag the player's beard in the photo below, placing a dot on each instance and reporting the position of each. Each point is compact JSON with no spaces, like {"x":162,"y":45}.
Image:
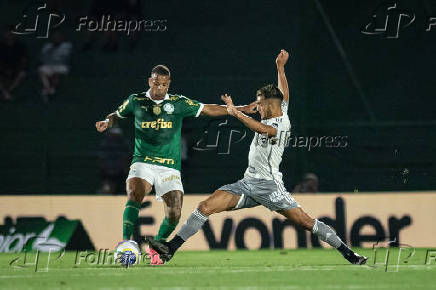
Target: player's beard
{"x":156,"y":95}
{"x":265,"y":112}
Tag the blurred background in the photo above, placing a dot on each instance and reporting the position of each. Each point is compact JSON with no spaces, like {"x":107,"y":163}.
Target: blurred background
{"x":362,"y":105}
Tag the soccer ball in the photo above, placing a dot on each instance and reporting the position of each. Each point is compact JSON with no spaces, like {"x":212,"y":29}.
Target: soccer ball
{"x":127,"y":253}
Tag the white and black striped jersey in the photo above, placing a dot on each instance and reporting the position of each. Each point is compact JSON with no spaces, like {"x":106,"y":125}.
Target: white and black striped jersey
{"x":266,"y":153}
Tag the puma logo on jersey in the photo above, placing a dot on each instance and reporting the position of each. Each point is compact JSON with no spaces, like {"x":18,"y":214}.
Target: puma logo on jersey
{"x":123,"y":106}
{"x":190,"y":102}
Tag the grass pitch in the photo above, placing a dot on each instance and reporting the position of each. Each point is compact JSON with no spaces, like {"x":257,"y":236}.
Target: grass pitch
{"x":266,"y":269}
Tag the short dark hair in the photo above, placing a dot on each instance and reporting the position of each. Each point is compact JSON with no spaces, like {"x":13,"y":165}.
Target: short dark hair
{"x":161,"y":70}
{"x":271,"y":92}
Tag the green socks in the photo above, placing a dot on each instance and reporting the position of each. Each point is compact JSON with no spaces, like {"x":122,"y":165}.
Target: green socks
{"x":130,"y":216}
{"x":165,"y":230}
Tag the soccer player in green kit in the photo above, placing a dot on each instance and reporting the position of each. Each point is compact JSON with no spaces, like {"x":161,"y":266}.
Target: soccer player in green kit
{"x":158,"y":120}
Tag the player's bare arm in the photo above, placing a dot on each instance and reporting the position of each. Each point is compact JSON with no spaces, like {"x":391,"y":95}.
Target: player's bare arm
{"x":281,"y":60}
{"x":213,"y":110}
{"x":249,"y":122}
{"x":108,"y":123}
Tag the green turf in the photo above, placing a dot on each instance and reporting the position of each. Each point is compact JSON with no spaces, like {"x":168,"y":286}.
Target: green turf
{"x":274,"y":269}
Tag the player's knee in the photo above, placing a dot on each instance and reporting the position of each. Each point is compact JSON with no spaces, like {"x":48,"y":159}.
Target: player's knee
{"x":134,"y":194}
{"x":205,"y":208}
{"x":134,"y":197}
{"x":307,"y":223}
{"x":304,"y":222}
{"x":302,"y":219}
{"x":174,"y":214}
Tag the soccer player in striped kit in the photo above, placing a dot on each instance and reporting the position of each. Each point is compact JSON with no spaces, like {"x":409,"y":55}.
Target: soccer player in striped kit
{"x":262,"y":183}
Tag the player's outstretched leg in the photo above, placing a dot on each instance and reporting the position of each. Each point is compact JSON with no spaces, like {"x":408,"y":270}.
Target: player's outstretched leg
{"x":324,"y":233}
{"x":219,"y":201}
{"x":136,"y":189}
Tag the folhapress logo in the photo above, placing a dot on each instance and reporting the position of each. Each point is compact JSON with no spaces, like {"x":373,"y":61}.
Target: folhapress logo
{"x":38,"y":20}
{"x":388,"y":20}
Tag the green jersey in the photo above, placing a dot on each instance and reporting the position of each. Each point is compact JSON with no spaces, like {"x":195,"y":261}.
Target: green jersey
{"x":158,"y":126}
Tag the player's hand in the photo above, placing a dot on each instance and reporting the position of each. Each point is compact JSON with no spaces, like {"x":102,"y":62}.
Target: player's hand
{"x":231,"y":109}
{"x":282,"y":58}
{"x":102,"y":125}
{"x":251,"y":108}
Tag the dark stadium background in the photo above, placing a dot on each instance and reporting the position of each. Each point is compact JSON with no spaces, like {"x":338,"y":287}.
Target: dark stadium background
{"x":215,"y":47}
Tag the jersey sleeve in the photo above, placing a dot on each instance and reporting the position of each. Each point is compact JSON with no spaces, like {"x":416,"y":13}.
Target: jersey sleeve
{"x":126,"y":108}
{"x":191,"y":108}
{"x":285,"y":106}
